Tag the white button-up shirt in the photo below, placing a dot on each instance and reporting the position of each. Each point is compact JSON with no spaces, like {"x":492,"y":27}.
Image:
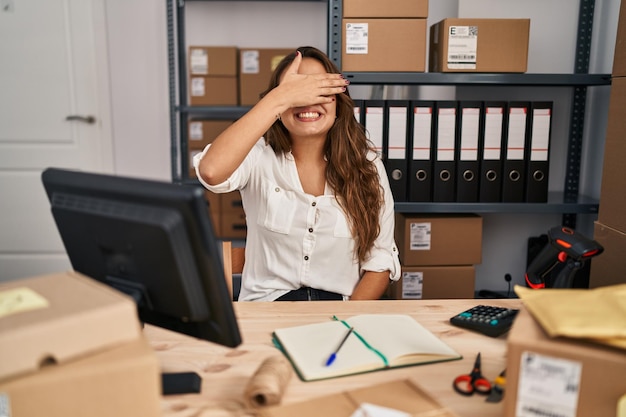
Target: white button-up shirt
{"x":295,"y":239}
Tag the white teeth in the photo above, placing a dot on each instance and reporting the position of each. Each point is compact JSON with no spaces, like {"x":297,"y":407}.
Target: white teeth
{"x":308,"y":115}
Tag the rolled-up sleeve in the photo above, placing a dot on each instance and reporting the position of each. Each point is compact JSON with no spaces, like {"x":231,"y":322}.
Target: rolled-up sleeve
{"x":239,"y":178}
{"x":384,"y":254}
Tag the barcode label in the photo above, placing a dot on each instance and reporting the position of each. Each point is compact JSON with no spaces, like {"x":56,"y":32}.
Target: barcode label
{"x":357,"y":35}
{"x":548,"y":386}
{"x":462,"y":47}
{"x":461,"y":57}
{"x":420,"y":236}
{"x":412,"y":284}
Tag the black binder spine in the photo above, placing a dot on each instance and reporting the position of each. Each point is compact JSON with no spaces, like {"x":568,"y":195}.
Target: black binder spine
{"x":395,"y":145}
{"x":359,"y":111}
{"x":467,"y":163}
{"x":421,"y":151}
{"x":444,"y":176}
{"x":539,"y":152}
{"x":374,"y":124}
{"x":516,"y":151}
{"x":491,"y":151}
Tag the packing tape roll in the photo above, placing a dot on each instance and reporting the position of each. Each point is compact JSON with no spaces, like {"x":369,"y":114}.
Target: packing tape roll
{"x":268,"y":384}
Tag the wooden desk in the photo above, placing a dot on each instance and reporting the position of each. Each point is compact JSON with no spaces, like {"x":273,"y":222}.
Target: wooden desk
{"x":226,"y":371}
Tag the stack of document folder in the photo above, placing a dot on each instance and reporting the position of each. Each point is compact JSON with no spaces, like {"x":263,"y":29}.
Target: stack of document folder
{"x":461,"y":151}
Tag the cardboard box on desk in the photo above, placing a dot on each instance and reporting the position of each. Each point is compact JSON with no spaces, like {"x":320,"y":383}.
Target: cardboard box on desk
{"x":123,"y":381}
{"x":401,"y":397}
{"x":388,"y":8}
{"x":439,"y":239}
{"x":387,"y":45}
{"x":560,"y":376}
{"x":59,"y":317}
{"x":434,"y":282}
{"x":479,"y":45}
{"x":72,"y":346}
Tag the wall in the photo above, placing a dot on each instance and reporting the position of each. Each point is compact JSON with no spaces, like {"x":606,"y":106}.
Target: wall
{"x":138,"y":64}
{"x":137,"y":58}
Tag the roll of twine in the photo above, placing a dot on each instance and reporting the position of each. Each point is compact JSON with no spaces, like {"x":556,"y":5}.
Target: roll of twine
{"x":268,"y":384}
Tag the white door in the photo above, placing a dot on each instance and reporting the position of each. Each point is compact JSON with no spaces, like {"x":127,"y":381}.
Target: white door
{"x":52,"y":66}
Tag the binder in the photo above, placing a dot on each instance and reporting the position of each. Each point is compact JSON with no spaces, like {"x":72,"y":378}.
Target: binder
{"x":491,"y":152}
{"x":395,"y":146}
{"x":539,"y":151}
{"x":467,"y":165}
{"x":374,"y":124}
{"x":359,"y":110}
{"x":444,"y":174}
{"x":514,"y":172}
{"x":420,"y":183}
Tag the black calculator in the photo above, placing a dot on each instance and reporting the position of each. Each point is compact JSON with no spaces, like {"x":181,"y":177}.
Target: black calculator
{"x":488,"y":320}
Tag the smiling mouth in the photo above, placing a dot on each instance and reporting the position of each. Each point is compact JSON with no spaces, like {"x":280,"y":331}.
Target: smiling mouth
{"x":309,"y":115}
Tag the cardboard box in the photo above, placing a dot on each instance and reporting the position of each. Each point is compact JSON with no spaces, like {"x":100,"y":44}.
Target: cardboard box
{"x":619,"y":59}
{"x":123,"y":381}
{"x":433,"y":282}
{"x":479,"y":45}
{"x":214,"y":201}
{"x":386,"y":45}
{"x":213,"y":91}
{"x":612,"y":195}
{"x":403,"y":397}
{"x":203,"y":132}
{"x":233,"y":225}
{"x":231,"y":202}
{"x":439,"y":239}
{"x":388,"y":8}
{"x":559,"y":376}
{"x":609,"y":267}
{"x":213,"y":60}
{"x":233,"y":217}
{"x":256,"y":68}
{"x":59,"y":317}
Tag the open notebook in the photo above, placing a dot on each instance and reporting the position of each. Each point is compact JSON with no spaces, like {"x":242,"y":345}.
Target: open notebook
{"x":379,"y":341}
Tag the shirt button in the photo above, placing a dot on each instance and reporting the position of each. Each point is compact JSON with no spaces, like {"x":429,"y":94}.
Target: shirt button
{"x":314,"y":204}
{"x":306,"y":258}
{"x":277,"y":189}
{"x":310,"y":230}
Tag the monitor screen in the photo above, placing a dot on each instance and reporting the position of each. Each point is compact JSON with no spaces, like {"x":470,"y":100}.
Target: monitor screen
{"x":151,"y":240}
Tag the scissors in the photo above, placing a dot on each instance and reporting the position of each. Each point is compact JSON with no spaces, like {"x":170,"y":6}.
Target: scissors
{"x":467,"y":384}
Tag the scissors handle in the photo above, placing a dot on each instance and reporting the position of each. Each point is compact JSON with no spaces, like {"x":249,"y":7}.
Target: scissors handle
{"x":467,"y":385}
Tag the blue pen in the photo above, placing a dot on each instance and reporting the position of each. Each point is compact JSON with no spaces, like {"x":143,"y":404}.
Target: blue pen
{"x":333,"y":355}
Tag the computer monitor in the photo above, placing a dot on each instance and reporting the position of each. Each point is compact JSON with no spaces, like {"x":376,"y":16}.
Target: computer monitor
{"x":151,"y":240}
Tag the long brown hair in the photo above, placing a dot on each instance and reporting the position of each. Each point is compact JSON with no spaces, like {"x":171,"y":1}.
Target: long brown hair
{"x":352,"y":176}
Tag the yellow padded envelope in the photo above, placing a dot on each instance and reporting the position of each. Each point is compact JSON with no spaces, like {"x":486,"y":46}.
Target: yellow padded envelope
{"x":597,"y":315}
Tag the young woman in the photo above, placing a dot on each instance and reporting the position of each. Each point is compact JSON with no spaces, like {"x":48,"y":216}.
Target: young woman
{"x":319,"y":210}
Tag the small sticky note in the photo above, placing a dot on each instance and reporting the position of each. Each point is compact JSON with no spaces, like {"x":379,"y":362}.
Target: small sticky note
{"x":621,"y":406}
{"x":21,"y":299}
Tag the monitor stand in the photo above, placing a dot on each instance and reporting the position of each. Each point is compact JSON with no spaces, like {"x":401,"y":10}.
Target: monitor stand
{"x":180,"y":383}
